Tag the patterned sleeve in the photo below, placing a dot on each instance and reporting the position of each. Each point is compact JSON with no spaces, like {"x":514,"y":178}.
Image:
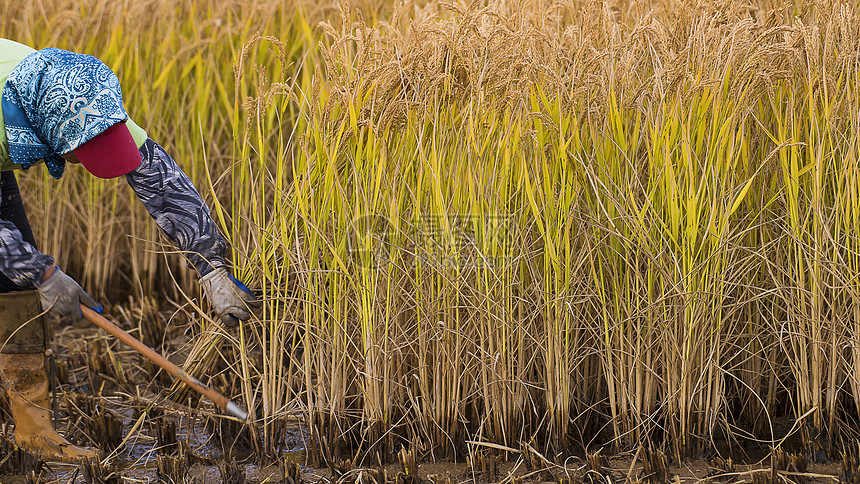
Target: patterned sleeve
{"x":19,"y":260}
{"x":169,"y":196}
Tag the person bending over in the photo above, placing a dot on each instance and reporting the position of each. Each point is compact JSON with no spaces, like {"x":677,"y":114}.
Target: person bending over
{"x":62,"y":107}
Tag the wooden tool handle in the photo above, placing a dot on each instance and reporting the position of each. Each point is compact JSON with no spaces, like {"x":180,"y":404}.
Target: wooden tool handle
{"x":164,"y":363}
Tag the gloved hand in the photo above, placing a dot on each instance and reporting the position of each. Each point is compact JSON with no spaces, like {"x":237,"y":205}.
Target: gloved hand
{"x":229,"y":296}
{"x":61,"y":295}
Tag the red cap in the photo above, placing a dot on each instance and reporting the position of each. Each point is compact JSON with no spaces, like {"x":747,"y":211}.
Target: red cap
{"x":111,"y":154}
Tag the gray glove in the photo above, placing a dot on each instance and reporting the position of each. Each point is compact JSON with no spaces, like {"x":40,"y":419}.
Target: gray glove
{"x":231,"y":299}
{"x":61,"y":295}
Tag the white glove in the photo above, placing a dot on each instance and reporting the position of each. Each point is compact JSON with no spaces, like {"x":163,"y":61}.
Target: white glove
{"x":232,"y":299}
{"x":61,"y":295}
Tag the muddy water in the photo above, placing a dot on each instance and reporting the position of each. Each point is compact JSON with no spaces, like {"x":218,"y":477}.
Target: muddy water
{"x":67,"y":474}
{"x":136,"y":460}
{"x":124,"y":381}
{"x":137,"y":464}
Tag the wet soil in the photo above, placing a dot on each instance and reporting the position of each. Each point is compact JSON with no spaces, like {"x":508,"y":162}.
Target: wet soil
{"x":109,"y":397}
{"x":619,"y":471}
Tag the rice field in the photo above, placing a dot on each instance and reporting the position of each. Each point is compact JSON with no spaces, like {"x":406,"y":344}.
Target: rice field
{"x":558,"y":226}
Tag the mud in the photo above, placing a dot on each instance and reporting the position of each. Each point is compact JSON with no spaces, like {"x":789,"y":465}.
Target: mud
{"x":110,"y":398}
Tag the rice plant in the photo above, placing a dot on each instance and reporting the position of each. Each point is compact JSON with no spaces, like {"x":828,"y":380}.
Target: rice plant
{"x":561,"y":225}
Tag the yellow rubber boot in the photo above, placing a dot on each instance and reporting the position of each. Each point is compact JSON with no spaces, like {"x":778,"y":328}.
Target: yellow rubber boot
{"x":26,"y":383}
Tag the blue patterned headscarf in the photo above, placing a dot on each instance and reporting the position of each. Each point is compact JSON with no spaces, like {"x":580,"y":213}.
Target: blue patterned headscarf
{"x":53,"y":102}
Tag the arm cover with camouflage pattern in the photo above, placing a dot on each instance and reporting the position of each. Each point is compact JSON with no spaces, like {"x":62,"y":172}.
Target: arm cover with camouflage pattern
{"x":19,"y":260}
{"x":167,"y":194}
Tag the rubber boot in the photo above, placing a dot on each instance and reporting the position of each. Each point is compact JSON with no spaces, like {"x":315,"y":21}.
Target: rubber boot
{"x":26,"y":384}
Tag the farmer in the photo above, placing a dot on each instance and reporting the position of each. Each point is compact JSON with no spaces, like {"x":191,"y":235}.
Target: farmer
{"x":60,"y":107}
